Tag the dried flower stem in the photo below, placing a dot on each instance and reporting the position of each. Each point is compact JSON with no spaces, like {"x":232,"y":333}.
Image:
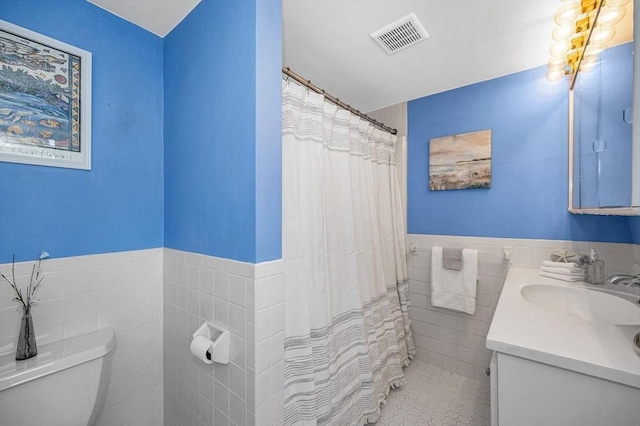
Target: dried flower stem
{"x":34,"y":282}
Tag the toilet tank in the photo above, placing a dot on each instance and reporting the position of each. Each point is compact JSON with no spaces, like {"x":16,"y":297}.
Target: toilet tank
{"x":64,"y":385}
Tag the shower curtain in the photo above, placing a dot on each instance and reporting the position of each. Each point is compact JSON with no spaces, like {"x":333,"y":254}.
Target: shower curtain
{"x":347,"y":327}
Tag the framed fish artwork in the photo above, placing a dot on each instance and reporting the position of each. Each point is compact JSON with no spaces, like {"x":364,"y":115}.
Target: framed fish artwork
{"x":45,"y":100}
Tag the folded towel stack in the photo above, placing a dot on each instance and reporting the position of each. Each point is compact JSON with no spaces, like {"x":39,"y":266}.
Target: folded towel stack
{"x":565,"y":271}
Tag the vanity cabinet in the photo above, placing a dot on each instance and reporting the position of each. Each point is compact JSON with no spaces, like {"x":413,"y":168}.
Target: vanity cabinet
{"x":530,"y":393}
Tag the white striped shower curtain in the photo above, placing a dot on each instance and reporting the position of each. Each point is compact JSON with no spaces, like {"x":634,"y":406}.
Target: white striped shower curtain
{"x":347,"y":328}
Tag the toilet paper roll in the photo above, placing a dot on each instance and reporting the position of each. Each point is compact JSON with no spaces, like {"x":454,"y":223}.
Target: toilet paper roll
{"x":200,"y":345}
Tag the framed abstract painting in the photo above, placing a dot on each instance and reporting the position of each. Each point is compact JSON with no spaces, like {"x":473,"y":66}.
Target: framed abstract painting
{"x":461,"y":161}
{"x":45,"y":100}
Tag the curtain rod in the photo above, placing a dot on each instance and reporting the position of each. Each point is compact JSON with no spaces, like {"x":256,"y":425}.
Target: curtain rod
{"x":338,"y":102}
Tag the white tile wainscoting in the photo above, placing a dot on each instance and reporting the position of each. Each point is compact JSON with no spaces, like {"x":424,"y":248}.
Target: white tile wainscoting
{"x":246,"y":299}
{"x":266,"y":350}
{"x":154,"y":299}
{"x":455,"y":341}
{"x":85,"y":293}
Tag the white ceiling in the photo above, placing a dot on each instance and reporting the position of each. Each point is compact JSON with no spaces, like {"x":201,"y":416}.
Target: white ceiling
{"x":156,"y":16}
{"x":469,"y":41}
{"x":327,"y":41}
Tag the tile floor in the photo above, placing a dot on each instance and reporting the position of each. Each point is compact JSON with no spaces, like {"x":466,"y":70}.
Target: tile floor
{"x":433,"y":396}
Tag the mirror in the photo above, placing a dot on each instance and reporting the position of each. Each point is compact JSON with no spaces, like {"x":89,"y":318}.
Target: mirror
{"x":604,"y":139}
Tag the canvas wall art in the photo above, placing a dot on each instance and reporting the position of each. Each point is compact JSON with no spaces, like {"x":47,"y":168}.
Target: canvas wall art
{"x":461,"y":161}
{"x":45,"y":100}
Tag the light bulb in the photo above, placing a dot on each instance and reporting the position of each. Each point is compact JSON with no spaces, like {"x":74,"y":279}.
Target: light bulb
{"x":588,"y":67}
{"x":562,"y":32}
{"x":560,"y":48}
{"x":556,"y":67}
{"x":602,"y":34}
{"x":616,"y":3}
{"x":593,"y":49}
{"x":557,"y":62}
{"x":555,"y":73}
{"x":588,"y":63}
{"x":567,"y":13}
{"x":611,"y":15}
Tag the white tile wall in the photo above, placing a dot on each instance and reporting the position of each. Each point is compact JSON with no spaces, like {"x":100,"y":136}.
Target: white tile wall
{"x":85,"y":293}
{"x":456,"y":341}
{"x":202,"y":288}
{"x":246,"y":299}
{"x":137,"y":293}
{"x":266,"y":344}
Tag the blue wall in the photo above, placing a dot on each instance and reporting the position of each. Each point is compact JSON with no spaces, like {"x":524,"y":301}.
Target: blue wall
{"x":528,"y":196}
{"x":268,"y":130}
{"x":118,"y":205}
{"x":222,"y":186}
{"x":219,"y":135}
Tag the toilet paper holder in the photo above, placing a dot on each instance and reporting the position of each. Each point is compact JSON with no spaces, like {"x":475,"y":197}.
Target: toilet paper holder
{"x":219,"y":349}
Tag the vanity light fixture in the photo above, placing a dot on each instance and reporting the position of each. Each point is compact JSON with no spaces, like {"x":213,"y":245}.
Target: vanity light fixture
{"x":583,"y":29}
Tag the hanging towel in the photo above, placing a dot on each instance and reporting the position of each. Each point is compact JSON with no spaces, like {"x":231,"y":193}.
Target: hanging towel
{"x":570,"y":278}
{"x":454,"y":289}
{"x":452,"y":258}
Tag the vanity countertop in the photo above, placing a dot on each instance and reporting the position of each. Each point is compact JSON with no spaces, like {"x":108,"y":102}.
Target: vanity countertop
{"x":525,"y":330}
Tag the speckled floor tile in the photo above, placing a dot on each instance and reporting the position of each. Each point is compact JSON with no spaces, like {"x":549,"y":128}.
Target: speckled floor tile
{"x":434,"y":397}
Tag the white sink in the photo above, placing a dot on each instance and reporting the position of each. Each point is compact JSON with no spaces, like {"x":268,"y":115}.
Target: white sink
{"x":583,"y":303}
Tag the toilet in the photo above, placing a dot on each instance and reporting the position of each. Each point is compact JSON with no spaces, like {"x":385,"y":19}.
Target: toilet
{"x":64,"y":385}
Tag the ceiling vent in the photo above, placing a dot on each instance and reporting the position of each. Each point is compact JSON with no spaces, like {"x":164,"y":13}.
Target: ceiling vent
{"x":400,"y":34}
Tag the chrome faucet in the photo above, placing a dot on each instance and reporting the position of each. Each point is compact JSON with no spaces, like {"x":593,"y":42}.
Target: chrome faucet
{"x":628,"y":280}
